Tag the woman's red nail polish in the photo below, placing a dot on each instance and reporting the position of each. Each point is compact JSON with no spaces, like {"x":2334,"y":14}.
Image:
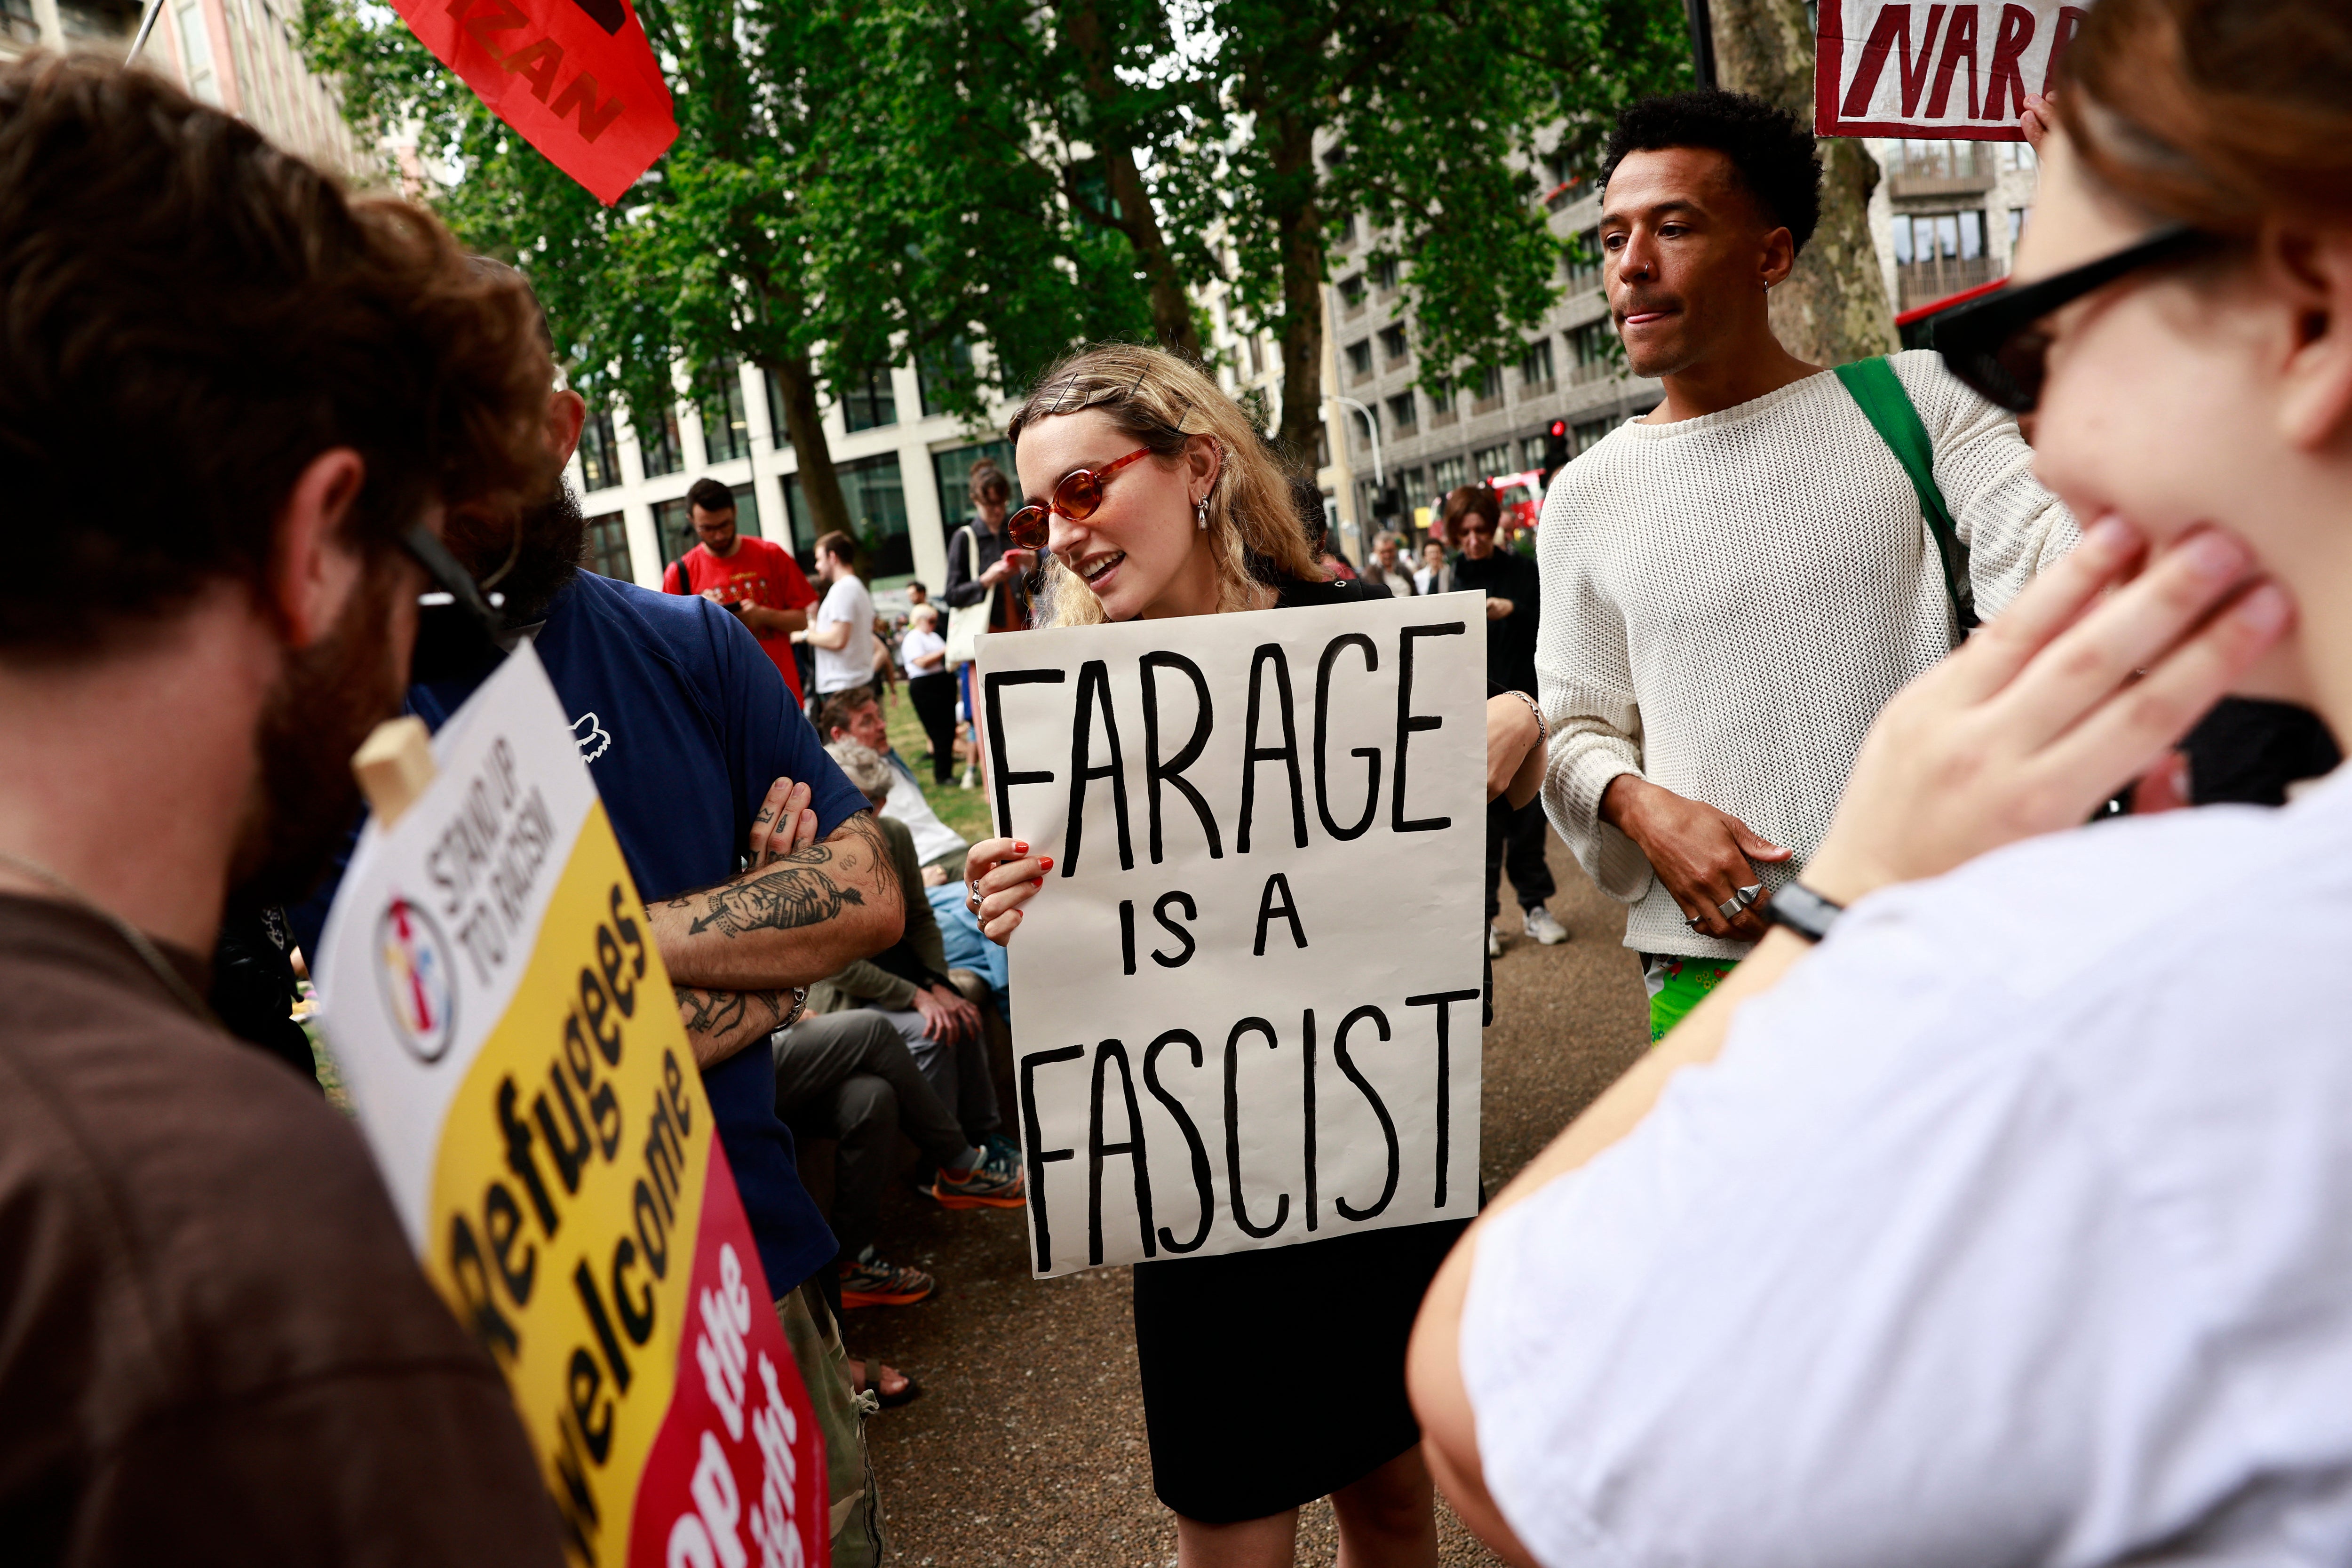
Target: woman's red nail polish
{"x":1019,"y":848}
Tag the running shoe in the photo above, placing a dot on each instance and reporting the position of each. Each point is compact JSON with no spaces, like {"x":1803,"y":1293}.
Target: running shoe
{"x":872,"y":1282}
{"x":996,"y":1185}
{"x":1544,"y":927}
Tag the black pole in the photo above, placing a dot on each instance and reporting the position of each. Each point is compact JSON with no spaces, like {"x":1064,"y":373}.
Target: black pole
{"x":1702,"y":31}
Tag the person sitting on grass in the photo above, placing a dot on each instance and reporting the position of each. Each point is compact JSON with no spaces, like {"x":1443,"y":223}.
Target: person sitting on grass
{"x":945,"y":1015}
{"x":856,"y":716}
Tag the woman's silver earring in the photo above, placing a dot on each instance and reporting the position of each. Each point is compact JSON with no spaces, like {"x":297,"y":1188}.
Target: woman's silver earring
{"x":1200,"y":515}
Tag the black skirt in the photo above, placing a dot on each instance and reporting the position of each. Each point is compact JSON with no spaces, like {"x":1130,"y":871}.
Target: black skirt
{"x":1275,"y":1377}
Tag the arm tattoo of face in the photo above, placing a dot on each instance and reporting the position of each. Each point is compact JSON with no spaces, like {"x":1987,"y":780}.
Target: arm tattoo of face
{"x":796,"y":891}
{"x":717,"y":1014}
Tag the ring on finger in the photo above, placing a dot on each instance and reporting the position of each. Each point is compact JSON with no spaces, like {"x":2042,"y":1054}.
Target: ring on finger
{"x":1729,"y":908}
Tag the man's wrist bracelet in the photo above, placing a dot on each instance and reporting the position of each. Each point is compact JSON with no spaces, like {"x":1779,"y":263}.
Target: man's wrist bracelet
{"x":1799,"y":908}
{"x":1543,"y":728}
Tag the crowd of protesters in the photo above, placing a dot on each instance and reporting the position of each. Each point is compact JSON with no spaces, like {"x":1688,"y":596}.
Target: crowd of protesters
{"x":1986,"y":1197}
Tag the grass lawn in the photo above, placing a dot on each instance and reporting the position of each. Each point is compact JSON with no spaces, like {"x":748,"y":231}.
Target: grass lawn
{"x":965,"y":810}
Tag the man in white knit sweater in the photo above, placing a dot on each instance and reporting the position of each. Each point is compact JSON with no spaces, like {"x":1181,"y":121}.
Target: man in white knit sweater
{"x":1736,"y":583}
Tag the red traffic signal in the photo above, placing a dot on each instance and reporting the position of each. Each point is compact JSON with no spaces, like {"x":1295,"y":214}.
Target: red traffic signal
{"x":1558,"y":428}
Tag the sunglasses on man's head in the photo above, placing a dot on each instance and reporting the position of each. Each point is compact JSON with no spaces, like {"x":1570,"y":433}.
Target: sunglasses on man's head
{"x":1076,"y":498}
{"x":1997,"y":345}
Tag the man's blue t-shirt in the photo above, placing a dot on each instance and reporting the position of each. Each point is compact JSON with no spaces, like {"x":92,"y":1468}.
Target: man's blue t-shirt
{"x":684,"y":723}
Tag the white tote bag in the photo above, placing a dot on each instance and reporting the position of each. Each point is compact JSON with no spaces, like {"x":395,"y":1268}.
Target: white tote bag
{"x":968,"y":624}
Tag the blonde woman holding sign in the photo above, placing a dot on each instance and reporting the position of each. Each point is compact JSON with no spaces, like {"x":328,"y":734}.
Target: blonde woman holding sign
{"x":1156,"y":498}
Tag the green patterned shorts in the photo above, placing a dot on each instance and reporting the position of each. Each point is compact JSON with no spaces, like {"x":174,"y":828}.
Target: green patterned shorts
{"x":1677,"y":984}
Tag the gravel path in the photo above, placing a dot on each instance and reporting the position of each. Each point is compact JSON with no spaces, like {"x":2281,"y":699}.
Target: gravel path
{"x":1027,"y":1444}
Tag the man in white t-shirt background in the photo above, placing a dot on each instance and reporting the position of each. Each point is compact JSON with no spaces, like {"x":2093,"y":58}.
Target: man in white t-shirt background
{"x":843,"y":632}
{"x":1734,"y":585}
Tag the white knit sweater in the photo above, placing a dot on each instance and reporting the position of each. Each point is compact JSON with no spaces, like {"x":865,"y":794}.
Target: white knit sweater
{"x":1728,"y":601}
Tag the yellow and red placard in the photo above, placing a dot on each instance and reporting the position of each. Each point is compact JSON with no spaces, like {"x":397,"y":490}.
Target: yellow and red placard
{"x":513,"y":1051}
{"x":577,"y":78}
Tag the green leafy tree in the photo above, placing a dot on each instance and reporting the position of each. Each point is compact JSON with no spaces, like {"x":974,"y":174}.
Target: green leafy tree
{"x":847,"y":189}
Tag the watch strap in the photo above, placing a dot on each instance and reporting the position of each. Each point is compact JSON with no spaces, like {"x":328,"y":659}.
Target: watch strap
{"x":1802,"y":910}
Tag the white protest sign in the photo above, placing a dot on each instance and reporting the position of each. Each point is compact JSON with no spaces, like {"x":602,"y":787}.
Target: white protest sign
{"x":1959,"y":71}
{"x":513,"y":1051}
{"x":1245,"y":1005}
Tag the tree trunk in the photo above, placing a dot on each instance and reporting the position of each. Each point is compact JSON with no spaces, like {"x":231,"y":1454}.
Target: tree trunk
{"x":805,"y":424}
{"x":1171,"y":308}
{"x":1298,"y":219}
{"x":1834,"y":308}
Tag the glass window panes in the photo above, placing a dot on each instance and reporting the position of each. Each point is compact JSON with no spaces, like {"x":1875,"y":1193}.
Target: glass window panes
{"x":875,"y":501}
{"x":1449,"y":474}
{"x":726,"y":431}
{"x":1441,"y":398}
{"x":607,"y":551}
{"x":1392,"y":341}
{"x":1360,"y":357}
{"x":1401,"y":410}
{"x":941,"y":367}
{"x":1490,"y":382}
{"x":952,"y":471}
{"x":867,"y":401}
{"x":1384,"y":273}
{"x":2016,"y":217}
{"x":1582,"y":260}
{"x":600,"y":454}
{"x":1589,"y":344}
{"x":664,"y":454}
{"x":1535,"y":367}
{"x":1583,"y":439}
{"x":1351,"y":289}
{"x":1493,"y":460}
{"x":1531,"y":452}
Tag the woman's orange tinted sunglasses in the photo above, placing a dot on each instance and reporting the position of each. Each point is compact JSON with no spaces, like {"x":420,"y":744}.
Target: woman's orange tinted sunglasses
{"x":1076,"y":498}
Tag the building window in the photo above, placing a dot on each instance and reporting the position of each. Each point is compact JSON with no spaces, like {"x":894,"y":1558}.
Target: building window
{"x":726,"y":431}
{"x":952,"y":472}
{"x":1362,"y":427}
{"x":1939,"y":254}
{"x":1347,"y":229}
{"x":1255,"y":351}
{"x":1360,"y":357}
{"x":1392,"y":342}
{"x":1401,"y":410}
{"x":1534,"y":366}
{"x":1449,"y":475}
{"x":1410,"y":482}
{"x":1384,"y":274}
{"x":876,"y":502}
{"x":607,"y":551}
{"x":1441,"y":397}
{"x":2016,"y":217}
{"x":1593,"y":350}
{"x":1351,"y":289}
{"x":1585,"y":436}
{"x":1581,"y":261}
{"x":1491,"y":462}
{"x":940,"y":369}
{"x":664,"y":454}
{"x":1531,"y":452}
{"x":867,"y":401}
{"x":1490,"y":384}
{"x":600,"y":454}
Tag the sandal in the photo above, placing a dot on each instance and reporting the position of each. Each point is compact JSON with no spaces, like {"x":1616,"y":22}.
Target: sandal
{"x":909,"y":1390}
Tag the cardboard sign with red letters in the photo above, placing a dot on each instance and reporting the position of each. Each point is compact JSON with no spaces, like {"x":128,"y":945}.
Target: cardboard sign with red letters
{"x":1958,"y":71}
{"x":576,"y":78}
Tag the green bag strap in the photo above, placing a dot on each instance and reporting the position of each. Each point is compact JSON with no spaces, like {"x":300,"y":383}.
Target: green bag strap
{"x":1889,"y":410}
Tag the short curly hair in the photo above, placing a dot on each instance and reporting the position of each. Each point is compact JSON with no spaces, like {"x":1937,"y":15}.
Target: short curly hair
{"x":1769,"y":150}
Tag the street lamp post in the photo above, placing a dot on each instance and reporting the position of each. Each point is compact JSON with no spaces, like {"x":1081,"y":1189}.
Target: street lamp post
{"x":1380,"y":480}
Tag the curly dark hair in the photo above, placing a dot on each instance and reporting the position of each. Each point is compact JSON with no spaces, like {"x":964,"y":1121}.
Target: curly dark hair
{"x":192,"y":317}
{"x":1770,"y":150}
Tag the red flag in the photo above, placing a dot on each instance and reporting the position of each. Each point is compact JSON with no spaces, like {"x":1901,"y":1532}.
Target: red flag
{"x":576,"y":78}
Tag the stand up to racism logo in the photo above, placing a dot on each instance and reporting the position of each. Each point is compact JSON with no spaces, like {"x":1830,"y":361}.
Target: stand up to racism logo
{"x":414,"y":973}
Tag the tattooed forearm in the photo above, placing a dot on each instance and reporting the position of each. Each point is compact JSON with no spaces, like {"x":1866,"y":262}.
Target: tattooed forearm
{"x":789,"y":922}
{"x":720,"y":1023}
{"x":782,"y":898}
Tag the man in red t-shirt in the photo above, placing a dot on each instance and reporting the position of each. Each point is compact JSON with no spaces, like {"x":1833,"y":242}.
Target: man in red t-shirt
{"x":758,"y":581}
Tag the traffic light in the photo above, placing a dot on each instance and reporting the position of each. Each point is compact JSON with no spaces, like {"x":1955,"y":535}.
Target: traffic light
{"x":1554,"y":451}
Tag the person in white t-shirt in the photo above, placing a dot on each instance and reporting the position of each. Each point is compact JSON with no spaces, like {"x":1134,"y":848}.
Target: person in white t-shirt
{"x":2012,"y":1223}
{"x":931,"y":686}
{"x":843,"y":632}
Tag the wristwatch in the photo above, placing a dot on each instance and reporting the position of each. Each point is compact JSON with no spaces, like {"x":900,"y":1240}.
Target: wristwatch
{"x":1802,"y":910}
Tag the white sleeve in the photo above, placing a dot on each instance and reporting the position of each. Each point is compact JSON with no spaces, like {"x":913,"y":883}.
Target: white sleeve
{"x":1849,"y":1296}
{"x":836,"y":605}
{"x":1584,"y":678}
{"x":2012,"y":527}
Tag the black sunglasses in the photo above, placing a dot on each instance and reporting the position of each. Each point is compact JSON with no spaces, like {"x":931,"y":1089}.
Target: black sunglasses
{"x":457,"y":629}
{"x":1996,"y":344}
